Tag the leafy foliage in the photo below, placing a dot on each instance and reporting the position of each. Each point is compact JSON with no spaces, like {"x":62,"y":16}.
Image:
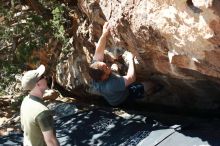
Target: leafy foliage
{"x":58,"y":26}
{"x":22,"y":31}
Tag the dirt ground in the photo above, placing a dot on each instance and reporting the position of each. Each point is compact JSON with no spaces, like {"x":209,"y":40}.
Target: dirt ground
{"x":10,"y":112}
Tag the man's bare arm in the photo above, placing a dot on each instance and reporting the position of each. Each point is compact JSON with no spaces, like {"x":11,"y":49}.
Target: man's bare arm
{"x":99,"y":52}
{"x":50,"y":138}
{"x":130,"y":76}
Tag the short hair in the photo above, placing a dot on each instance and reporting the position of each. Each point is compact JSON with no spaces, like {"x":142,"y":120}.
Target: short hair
{"x":95,"y":71}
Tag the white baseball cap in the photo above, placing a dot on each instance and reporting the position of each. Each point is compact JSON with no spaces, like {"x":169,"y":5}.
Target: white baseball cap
{"x":31,"y":77}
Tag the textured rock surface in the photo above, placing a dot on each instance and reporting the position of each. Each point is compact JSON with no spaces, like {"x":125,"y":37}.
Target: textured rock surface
{"x":177,"y":43}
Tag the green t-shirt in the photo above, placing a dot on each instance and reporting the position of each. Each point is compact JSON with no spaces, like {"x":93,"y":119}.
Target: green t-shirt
{"x":35,"y":119}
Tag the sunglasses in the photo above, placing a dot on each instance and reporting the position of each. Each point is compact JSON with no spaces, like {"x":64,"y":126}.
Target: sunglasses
{"x":42,"y":77}
{"x":48,"y":79}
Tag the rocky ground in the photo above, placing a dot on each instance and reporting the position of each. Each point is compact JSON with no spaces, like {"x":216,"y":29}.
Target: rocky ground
{"x":174,"y":124}
{"x":9,"y":116}
{"x":10,"y":106}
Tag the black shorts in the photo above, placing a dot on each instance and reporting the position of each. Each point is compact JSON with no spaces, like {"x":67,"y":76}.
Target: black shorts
{"x":136,"y":91}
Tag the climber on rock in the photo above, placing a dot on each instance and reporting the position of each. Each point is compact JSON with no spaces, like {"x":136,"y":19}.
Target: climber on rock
{"x":114,"y":88}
